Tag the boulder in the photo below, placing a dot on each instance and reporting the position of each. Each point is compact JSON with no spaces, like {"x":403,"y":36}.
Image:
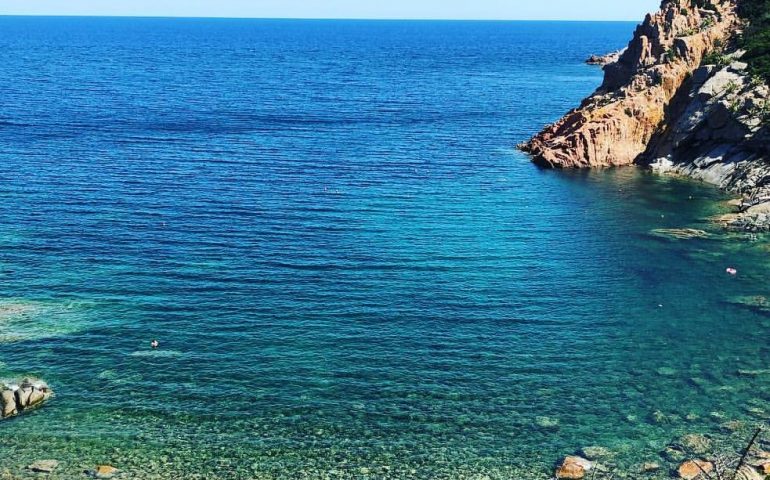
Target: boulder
{"x":37,"y":397}
{"x":692,"y":469}
{"x":22,"y":396}
{"x":573,"y":468}
{"x":29,"y":394}
{"x":8,"y":400}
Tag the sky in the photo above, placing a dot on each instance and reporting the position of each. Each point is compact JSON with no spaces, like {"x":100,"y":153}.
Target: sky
{"x":370,"y":9}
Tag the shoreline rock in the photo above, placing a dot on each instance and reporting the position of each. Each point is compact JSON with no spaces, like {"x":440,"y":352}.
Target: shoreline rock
{"x":603,"y":60}
{"x":26,"y":395}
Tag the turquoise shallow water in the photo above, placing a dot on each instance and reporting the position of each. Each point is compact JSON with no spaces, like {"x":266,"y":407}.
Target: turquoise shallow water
{"x":351,"y":271}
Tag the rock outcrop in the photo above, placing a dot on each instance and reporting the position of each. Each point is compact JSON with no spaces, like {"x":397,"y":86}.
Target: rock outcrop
{"x":604,"y":60}
{"x":679,"y":100}
{"x":718,"y":132}
{"x":25,"y":395}
{"x":615,"y":125}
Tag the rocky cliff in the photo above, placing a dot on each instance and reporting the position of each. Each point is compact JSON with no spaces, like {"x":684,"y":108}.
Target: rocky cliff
{"x":678,"y":100}
{"x":718,"y":132}
{"x":615,"y":125}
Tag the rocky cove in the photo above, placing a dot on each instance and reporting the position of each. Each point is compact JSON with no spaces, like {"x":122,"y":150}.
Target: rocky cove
{"x":678,"y":100}
{"x":618,"y":347}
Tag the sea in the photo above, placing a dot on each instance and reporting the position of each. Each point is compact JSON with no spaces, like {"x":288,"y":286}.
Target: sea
{"x":351,"y":271}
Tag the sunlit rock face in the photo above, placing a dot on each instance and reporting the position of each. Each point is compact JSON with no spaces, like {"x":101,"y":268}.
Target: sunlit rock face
{"x":615,"y":125}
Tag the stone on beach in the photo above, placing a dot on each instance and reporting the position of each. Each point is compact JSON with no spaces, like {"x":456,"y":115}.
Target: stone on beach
{"x":573,"y":468}
{"x":692,"y":469}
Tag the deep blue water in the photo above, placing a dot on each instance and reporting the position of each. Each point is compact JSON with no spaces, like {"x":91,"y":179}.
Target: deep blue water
{"x":351,"y":271}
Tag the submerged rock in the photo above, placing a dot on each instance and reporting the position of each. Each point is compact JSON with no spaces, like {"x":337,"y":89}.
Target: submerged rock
{"x":44,"y":466}
{"x":692,"y":469}
{"x":103,"y":471}
{"x":666,"y":371}
{"x":573,"y":468}
{"x":547,"y":423}
{"x":753,"y":373}
{"x":748,"y":473}
{"x":760,"y":303}
{"x":596,"y":453}
{"x":695,"y":443}
{"x":680,"y":233}
{"x":673,"y":454}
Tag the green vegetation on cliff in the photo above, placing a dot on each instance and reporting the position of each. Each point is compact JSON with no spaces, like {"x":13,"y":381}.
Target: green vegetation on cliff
{"x":756,"y":37}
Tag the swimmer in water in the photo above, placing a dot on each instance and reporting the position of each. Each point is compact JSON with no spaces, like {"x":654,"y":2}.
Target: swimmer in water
{"x":154,"y":344}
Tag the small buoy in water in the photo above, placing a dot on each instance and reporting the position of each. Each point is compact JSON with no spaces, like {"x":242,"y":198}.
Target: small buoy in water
{"x":155,"y":344}
{"x":732,"y":271}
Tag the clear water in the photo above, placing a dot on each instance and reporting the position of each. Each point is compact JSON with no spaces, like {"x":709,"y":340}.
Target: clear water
{"x":351,"y":271}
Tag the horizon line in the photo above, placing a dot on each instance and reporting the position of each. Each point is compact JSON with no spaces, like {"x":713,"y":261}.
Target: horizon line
{"x":383,"y":19}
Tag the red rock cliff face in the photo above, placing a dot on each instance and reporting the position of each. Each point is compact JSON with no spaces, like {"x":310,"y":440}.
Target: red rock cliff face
{"x":614,"y":125}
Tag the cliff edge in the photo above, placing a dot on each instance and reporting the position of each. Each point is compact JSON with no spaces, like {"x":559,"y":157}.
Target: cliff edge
{"x":681,"y":99}
{"x":615,"y":125}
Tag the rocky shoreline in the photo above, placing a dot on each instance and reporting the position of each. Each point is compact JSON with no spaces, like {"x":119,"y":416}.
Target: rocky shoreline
{"x":678,"y":100}
{"x":689,"y":457}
